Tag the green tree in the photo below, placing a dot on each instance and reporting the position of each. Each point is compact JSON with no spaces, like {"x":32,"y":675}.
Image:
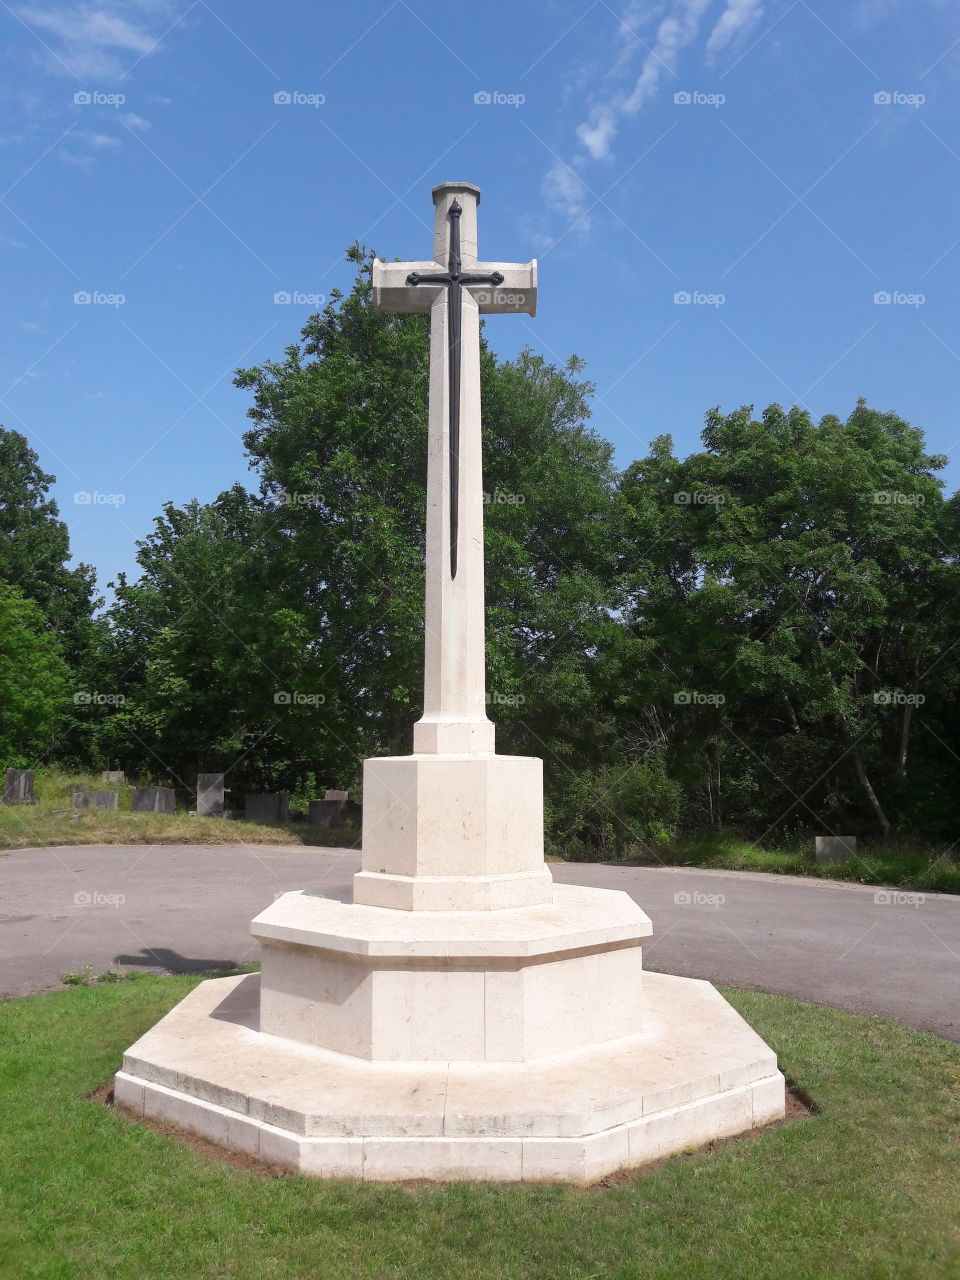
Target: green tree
{"x":34,"y":682}
{"x":35,"y":548}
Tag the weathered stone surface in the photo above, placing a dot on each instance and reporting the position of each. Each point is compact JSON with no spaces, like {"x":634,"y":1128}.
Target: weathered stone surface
{"x":268,"y":808}
{"x":95,"y":799}
{"x":836,"y":848}
{"x":114,"y":776}
{"x":334,"y":795}
{"x":153,"y":800}
{"x":210,"y":795}
{"x":698,"y":1073}
{"x":18,"y":787}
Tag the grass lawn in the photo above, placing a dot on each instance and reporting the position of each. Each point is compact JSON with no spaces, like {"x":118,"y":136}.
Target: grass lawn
{"x":904,"y":864}
{"x":54,"y":821}
{"x":869,"y":1187}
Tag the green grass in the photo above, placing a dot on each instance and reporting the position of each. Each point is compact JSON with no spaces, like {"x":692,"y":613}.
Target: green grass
{"x":54,"y":821}
{"x":901,"y":863}
{"x":868,"y":1189}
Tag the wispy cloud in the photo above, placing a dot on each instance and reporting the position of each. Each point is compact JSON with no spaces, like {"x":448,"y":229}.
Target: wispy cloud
{"x":98,"y":41}
{"x":739,"y":17}
{"x":658,"y":34}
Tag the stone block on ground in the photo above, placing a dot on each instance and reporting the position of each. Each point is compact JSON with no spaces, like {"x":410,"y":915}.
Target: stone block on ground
{"x":18,"y":787}
{"x":836,"y":848}
{"x":153,"y":800}
{"x":114,"y":776}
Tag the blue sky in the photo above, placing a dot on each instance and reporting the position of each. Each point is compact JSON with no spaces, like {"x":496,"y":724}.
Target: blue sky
{"x":793,"y":159}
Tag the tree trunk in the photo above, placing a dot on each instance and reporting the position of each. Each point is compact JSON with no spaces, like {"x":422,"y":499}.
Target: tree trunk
{"x":871,"y":794}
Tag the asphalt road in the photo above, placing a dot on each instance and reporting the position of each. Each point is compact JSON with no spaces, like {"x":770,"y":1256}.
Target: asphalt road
{"x":179,"y":908}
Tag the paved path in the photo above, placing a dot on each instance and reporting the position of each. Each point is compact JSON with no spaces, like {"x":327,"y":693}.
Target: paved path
{"x":189,"y":908}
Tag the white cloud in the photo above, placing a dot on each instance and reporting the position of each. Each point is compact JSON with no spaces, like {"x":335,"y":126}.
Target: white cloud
{"x":566,"y":193}
{"x":675,"y":31}
{"x":29,"y":326}
{"x":96,"y":40}
{"x":99,"y":141}
{"x":133,"y":121}
{"x":735,"y":21}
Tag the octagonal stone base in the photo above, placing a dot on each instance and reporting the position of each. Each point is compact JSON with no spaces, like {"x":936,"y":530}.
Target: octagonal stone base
{"x":455,"y":986}
{"x":698,"y":1072}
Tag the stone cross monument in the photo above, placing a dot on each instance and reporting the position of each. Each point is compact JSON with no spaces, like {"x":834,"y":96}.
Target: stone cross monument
{"x":463,"y":1016}
{"x":454,"y":713}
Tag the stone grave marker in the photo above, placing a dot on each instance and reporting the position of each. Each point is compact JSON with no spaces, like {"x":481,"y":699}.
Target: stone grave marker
{"x":153,"y":800}
{"x":272,"y":807}
{"x":210,"y":795}
{"x":95,"y":799}
{"x":18,"y":787}
{"x":836,"y":848}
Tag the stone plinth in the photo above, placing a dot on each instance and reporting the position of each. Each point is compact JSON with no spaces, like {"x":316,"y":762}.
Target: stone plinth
{"x":452,"y":833}
{"x":114,"y":776}
{"x":698,"y":1072}
{"x":153,"y":800}
{"x":18,"y":787}
{"x":453,"y":986}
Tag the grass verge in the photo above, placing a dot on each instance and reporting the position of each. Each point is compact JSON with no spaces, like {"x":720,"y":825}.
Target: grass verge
{"x":903,"y":864}
{"x":865,"y":1190}
{"x":54,"y":821}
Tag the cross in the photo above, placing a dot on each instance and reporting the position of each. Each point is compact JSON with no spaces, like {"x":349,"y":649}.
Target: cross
{"x":455,"y":279}
{"x":455,"y":289}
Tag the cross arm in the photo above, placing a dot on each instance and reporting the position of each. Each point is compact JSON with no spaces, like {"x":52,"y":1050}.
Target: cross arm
{"x":391,"y":291}
{"x":516,"y":292}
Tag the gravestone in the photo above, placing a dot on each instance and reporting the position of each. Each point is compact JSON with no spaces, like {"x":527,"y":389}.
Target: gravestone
{"x":95,"y":799}
{"x":153,"y":800}
{"x":476,"y":1020}
{"x":210,"y":795}
{"x":325,"y":813}
{"x":836,"y":848}
{"x":18,"y":787}
{"x":116,"y":776}
{"x":272,"y":807}
{"x":335,"y":795}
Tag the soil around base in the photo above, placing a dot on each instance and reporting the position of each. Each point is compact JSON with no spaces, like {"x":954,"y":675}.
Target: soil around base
{"x":798,"y":1102}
